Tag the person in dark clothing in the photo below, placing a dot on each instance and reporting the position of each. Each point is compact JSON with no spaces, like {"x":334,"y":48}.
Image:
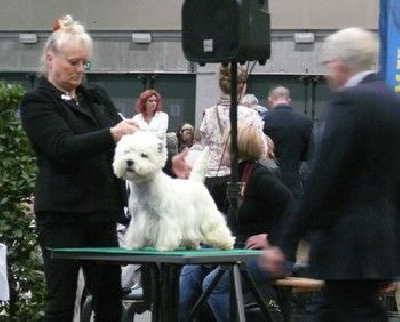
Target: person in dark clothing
{"x":263,"y":200}
{"x":350,"y":207}
{"x":73,"y":129}
{"x":78,"y":200}
{"x":265,"y":203}
{"x":292,"y":134}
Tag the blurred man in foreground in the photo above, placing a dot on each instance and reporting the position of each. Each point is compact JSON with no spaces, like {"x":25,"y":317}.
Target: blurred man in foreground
{"x":350,"y":201}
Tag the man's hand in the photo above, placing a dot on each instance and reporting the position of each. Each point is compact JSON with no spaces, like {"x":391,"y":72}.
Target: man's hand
{"x":272,"y":260}
{"x":257,"y":242}
{"x":179,"y":166}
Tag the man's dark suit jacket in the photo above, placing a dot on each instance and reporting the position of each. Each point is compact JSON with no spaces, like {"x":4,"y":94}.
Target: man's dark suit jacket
{"x":293,"y":139}
{"x":350,"y":201}
{"x":74,"y":151}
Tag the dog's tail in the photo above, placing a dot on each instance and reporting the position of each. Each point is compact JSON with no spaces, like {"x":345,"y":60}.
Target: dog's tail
{"x":200,"y":166}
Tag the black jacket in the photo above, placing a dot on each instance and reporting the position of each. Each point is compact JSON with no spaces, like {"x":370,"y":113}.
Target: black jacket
{"x":350,"y":202}
{"x":264,"y":208}
{"x":74,"y":151}
{"x":293,"y":139}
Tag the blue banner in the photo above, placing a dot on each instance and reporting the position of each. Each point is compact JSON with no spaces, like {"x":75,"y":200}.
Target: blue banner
{"x":389,"y":33}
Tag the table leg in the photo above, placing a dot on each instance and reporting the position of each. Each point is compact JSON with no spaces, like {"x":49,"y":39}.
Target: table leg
{"x":173,"y":294}
{"x":155,"y":276}
{"x":204,"y":296}
{"x":165,"y":283}
{"x":261,"y":302}
{"x":169,"y":292}
{"x":168,"y":300}
{"x":237,"y":294}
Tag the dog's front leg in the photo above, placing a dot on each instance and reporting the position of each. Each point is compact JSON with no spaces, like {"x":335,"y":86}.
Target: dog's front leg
{"x":136,"y":234}
{"x":168,"y":235}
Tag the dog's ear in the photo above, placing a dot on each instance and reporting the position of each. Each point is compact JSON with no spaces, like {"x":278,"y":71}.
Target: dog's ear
{"x":117,"y":169}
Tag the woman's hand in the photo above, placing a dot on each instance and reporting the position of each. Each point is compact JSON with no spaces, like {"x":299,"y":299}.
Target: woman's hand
{"x":257,"y":242}
{"x":127,"y":126}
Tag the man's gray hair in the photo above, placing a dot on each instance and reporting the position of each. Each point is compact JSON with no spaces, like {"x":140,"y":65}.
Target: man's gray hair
{"x":250,"y":98}
{"x":356,"y":48}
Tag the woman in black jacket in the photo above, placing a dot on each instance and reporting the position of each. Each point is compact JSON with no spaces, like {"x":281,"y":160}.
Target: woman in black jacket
{"x":263,"y":204}
{"x":78,"y":200}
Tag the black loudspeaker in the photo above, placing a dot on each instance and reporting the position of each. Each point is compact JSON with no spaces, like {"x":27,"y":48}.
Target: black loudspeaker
{"x":225,"y":30}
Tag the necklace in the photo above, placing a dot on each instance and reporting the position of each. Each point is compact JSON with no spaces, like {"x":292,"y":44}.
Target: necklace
{"x":65,"y":95}
{"x":68,"y":97}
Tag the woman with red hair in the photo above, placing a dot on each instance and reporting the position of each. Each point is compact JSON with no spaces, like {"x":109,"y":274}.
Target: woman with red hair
{"x":150,"y":116}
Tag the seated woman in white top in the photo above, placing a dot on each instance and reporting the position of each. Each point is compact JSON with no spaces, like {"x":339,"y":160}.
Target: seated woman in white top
{"x":150,"y":116}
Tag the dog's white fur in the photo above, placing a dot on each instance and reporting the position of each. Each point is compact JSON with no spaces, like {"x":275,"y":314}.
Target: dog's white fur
{"x":170,"y":212}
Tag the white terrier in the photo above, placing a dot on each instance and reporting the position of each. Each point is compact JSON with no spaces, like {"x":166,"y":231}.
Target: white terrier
{"x":170,"y":212}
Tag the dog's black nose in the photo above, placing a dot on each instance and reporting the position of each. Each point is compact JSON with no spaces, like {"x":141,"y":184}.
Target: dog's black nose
{"x":129,"y":163}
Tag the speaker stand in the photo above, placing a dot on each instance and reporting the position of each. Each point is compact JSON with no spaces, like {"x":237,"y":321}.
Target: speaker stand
{"x":233,"y":185}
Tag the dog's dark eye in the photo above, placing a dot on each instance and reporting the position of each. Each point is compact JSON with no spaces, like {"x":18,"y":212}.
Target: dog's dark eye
{"x":144,"y":155}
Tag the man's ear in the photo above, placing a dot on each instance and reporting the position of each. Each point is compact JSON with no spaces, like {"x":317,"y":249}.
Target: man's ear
{"x":270,"y":101}
{"x":49,"y":58}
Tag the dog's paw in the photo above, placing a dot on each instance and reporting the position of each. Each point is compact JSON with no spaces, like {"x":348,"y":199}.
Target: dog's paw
{"x":220,"y":238}
{"x":228,"y":243}
{"x":192,"y":247}
{"x":164,"y":248}
{"x":130,"y":245}
{"x":166,"y":245}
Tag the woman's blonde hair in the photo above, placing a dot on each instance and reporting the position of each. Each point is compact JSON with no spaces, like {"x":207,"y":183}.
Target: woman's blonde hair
{"x":65,"y":31}
{"x":225,"y":78}
{"x":249,"y":143}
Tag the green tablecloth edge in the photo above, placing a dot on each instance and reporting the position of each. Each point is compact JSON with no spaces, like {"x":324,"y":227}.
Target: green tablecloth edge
{"x":151,"y":251}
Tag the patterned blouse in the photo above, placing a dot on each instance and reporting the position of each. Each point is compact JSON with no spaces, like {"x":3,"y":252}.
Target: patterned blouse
{"x":213,"y":135}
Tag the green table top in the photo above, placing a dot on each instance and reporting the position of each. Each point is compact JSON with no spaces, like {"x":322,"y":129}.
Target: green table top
{"x":149,"y":254}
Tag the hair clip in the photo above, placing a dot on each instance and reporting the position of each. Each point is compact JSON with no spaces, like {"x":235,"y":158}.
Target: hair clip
{"x":56,"y":25}
{"x":64,"y":21}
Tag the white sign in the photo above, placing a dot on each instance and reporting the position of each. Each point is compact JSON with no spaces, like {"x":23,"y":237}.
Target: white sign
{"x":4,"y":288}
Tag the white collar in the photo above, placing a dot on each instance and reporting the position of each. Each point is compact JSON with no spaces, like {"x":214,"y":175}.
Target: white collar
{"x":357,"y":78}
